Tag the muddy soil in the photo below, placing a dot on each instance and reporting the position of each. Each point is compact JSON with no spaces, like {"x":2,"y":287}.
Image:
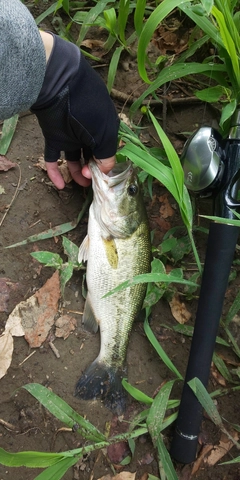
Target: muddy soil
{"x":29,"y":426}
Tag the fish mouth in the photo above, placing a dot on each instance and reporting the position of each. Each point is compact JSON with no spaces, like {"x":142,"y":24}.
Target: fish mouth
{"x":101,"y":182}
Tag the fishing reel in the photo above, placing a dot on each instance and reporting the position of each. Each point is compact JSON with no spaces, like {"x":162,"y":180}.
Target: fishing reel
{"x":211,"y":166}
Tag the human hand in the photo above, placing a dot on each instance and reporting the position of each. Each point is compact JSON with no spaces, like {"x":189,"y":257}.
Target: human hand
{"x":75,"y":170}
{"x":105,"y":165}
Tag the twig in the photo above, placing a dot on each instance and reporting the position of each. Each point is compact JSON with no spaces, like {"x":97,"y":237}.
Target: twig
{"x":35,"y":223}
{"x":25,"y":359}
{"x":7,"y":425}
{"x":121,"y":96}
{"x":14,"y":196}
{"x":54,"y":349}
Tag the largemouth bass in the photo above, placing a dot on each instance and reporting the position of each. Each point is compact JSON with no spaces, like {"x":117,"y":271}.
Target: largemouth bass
{"x":116,"y":248}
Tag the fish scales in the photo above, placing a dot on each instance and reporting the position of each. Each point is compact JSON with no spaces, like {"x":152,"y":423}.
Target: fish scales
{"x":111,"y":261}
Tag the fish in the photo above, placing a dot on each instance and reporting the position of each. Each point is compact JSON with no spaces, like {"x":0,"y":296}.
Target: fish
{"x":117,"y":247}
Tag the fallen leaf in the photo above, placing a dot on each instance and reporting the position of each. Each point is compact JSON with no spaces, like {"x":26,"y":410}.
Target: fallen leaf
{"x":2,"y":191}
{"x":162,"y":223}
{"x":38,"y":320}
{"x":64,"y":326}
{"x":120,"y":476}
{"x":91,"y":43}
{"x":205,"y":450}
{"x":6,"y":351}
{"x":36,"y":314}
{"x":165,"y":210}
{"x":41,"y":163}
{"x":6,"y":286}
{"x":218,"y":451}
{"x":217,"y":376}
{"x":63,"y":167}
{"x":179,"y":310}
{"x":6,"y":164}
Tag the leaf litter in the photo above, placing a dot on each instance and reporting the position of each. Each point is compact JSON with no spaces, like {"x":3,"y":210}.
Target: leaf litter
{"x":33,"y":319}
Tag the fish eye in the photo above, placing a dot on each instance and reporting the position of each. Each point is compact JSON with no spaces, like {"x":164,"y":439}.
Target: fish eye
{"x":132,"y":190}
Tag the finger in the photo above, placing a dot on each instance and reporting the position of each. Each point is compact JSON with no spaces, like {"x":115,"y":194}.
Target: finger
{"x":106,"y":164}
{"x":54,"y":175}
{"x":77,"y":174}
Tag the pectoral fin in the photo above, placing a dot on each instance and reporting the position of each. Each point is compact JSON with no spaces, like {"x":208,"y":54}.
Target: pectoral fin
{"x":83,"y":250}
{"x":111,"y":252}
{"x":89,"y":320}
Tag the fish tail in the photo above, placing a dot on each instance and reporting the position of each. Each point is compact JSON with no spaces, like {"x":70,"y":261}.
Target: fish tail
{"x":101,"y":381}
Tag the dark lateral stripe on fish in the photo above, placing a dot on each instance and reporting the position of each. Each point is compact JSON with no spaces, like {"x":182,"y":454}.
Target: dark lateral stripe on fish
{"x":98,"y":381}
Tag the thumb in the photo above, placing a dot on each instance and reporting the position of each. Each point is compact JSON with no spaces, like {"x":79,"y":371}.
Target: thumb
{"x":55,"y":175}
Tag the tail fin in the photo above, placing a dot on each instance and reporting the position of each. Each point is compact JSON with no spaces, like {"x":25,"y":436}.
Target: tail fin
{"x":100,"y":381}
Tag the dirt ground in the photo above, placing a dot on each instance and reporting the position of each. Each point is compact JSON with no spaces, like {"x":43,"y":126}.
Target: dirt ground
{"x":30,"y":427}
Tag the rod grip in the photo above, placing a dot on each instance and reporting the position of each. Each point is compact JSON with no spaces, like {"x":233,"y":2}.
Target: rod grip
{"x":221,"y":245}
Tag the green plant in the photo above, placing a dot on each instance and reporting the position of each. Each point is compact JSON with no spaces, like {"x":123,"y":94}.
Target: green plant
{"x":54,"y":260}
{"x":219,"y":21}
{"x":170,"y":176}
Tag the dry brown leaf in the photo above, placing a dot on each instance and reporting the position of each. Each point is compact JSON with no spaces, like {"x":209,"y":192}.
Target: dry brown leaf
{"x":165,"y":210}
{"x":179,"y":310}
{"x":6,"y":164}
{"x":120,"y":476}
{"x":217,"y":376}
{"x":205,"y":450}
{"x":41,"y":164}
{"x":220,"y":450}
{"x":64,"y":326}
{"x":38,"y":319}
{"x":6,"y":351}
{"x":63,"y":167}
{"x":92,"y":43}
{"x":35,"y":316}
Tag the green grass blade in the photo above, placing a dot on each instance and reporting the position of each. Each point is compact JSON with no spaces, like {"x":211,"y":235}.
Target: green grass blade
{"x":8,"y":130}
{"x":56,"y":472}
{"x":139,"y":15}
{"x":58,"y":230}
{"x":221,"y":366}
{"x":157,"y":411}
{"x":227,"y":41}
{"x":151,"y":337}
{"x":204,"y":398}
{"x":204,"y":23}
{"x":149,"y":28}
{"x":61,"y":410}
{"x":113,"y":67}
{"x":151,"y":277}
{"x":147,"y":162}
{"x":123,"y":13}
{"x":173,"y":72}
{"x":172,"y":157}
{"x":136,"y":393}
{"x":188,"y":331}
{"x":47,"y":12}
{"x":233,"y":310}
{"x":91,"y":17}
{"x":165,"y":460}
{"x":29,"y":459}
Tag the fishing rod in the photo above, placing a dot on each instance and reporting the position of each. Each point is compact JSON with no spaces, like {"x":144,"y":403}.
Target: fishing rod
{"x":211,"y":167}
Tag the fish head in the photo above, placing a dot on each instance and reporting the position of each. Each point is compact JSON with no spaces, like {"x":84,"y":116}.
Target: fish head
{"x":117,"y":202}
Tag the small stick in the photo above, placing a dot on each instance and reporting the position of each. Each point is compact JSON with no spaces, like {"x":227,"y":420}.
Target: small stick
{"x":7,"y":425}
{"x":14,"y":196}
{"x":35,"y":223}
{"x":54,"y":349}
{"x":25,"y":359}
